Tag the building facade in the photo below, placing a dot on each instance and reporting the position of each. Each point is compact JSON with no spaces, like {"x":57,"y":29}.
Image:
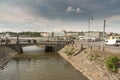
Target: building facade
{"x":114,"y":36}
{"x":45,"y":34}
{"x":97,"y":35}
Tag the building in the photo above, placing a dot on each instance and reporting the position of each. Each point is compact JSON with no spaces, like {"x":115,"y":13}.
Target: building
{"x":59,"y":35}
{"x":97,"y":35}
{"x":45,"y":34}
{"x":114,"y":36}
{"x":73,"y":34}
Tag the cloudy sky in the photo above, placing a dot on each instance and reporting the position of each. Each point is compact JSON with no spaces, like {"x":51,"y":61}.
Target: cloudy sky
{"x":55,"y":15}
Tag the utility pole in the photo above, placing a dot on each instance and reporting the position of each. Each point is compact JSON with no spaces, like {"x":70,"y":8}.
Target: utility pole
{"x":89,"y":32}
{"x":104,"y":34}
{"x":104,"y":29}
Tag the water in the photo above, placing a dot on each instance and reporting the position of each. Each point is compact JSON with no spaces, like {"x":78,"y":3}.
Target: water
{"x":33,"y":48}
{"x":40,"y":66}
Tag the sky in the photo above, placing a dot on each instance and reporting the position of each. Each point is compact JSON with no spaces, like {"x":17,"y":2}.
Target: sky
{"x":58,"y":15}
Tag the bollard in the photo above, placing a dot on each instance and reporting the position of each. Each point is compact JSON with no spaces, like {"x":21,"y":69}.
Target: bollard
{"x":91,"y":47}
{"x":103,"y":48}
{"x":81,"y":46}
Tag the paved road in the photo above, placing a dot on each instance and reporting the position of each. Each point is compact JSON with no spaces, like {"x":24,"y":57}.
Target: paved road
{"x":100,"y":44}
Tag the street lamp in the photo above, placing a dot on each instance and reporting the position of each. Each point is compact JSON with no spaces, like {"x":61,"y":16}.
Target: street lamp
{"x":104,"y":29}
{"x":89,"y":20}
{"x":104,"y":34}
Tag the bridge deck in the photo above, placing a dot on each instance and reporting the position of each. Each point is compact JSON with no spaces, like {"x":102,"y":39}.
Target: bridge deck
{"x":36,"y":43}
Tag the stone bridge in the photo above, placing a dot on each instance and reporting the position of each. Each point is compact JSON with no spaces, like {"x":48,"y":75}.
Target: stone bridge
{"x":18,"y":43}
{"x":48,"y":45}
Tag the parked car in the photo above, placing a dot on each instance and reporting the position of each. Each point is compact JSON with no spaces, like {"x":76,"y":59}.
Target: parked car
{"x":113,"y":42}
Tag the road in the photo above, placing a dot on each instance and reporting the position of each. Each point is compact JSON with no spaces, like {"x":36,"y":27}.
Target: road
{"x":115,"y":49}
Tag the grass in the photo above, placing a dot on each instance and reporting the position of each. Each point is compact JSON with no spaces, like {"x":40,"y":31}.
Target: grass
{"x":70,"y":50}
{"x":94,"y":57}
{"x":112,"y":63}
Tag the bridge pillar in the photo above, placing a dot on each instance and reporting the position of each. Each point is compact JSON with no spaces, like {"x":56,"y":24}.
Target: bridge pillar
{"x":17,"y":42}
{"x":19,"y":49}
{"x":58,"y":46}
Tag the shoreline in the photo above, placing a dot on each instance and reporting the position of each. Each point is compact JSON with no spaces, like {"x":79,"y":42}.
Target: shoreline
{"x":8,"y":55}
{"x":93,"y":70}
{"x":5,"y":62}
{"x":75,"y":66}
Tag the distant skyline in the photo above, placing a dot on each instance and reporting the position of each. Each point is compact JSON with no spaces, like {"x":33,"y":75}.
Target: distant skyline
{"x":57,"y":15}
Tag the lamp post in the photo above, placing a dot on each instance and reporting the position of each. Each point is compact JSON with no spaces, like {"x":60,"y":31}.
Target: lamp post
{"x":89,"y":20}
{"x":104,"y":34}
{"x":104,"y":29}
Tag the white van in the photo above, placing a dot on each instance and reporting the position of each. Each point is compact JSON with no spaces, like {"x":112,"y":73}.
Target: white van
{"x":81,"y":38}
{"x":113,"y":42}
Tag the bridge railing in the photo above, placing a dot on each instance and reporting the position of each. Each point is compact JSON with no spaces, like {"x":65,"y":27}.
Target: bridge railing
{"x":32,"y":42}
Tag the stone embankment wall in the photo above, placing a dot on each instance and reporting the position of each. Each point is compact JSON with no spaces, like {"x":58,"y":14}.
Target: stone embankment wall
{"x":92,"y":69}
{"x":5,"y":55}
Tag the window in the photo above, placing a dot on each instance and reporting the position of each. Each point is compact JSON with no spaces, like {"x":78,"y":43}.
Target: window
{"x":118,"y":41}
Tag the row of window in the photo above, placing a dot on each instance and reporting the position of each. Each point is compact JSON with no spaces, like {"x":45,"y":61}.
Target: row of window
{"x":115,"y":37}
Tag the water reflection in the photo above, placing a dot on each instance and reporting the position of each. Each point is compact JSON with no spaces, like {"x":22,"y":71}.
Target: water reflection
{"x":34,"y":48}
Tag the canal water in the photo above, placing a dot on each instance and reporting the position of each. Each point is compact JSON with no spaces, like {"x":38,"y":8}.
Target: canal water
{"x":39,"y":66}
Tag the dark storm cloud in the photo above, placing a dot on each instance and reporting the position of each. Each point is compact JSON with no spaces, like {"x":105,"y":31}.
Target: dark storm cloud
{"x":45,"y":8}
{"x":57,"y":14}
{"x":53,"y":9}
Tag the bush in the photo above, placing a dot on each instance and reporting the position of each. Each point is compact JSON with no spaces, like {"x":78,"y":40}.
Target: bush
{"x":112,"y":62}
